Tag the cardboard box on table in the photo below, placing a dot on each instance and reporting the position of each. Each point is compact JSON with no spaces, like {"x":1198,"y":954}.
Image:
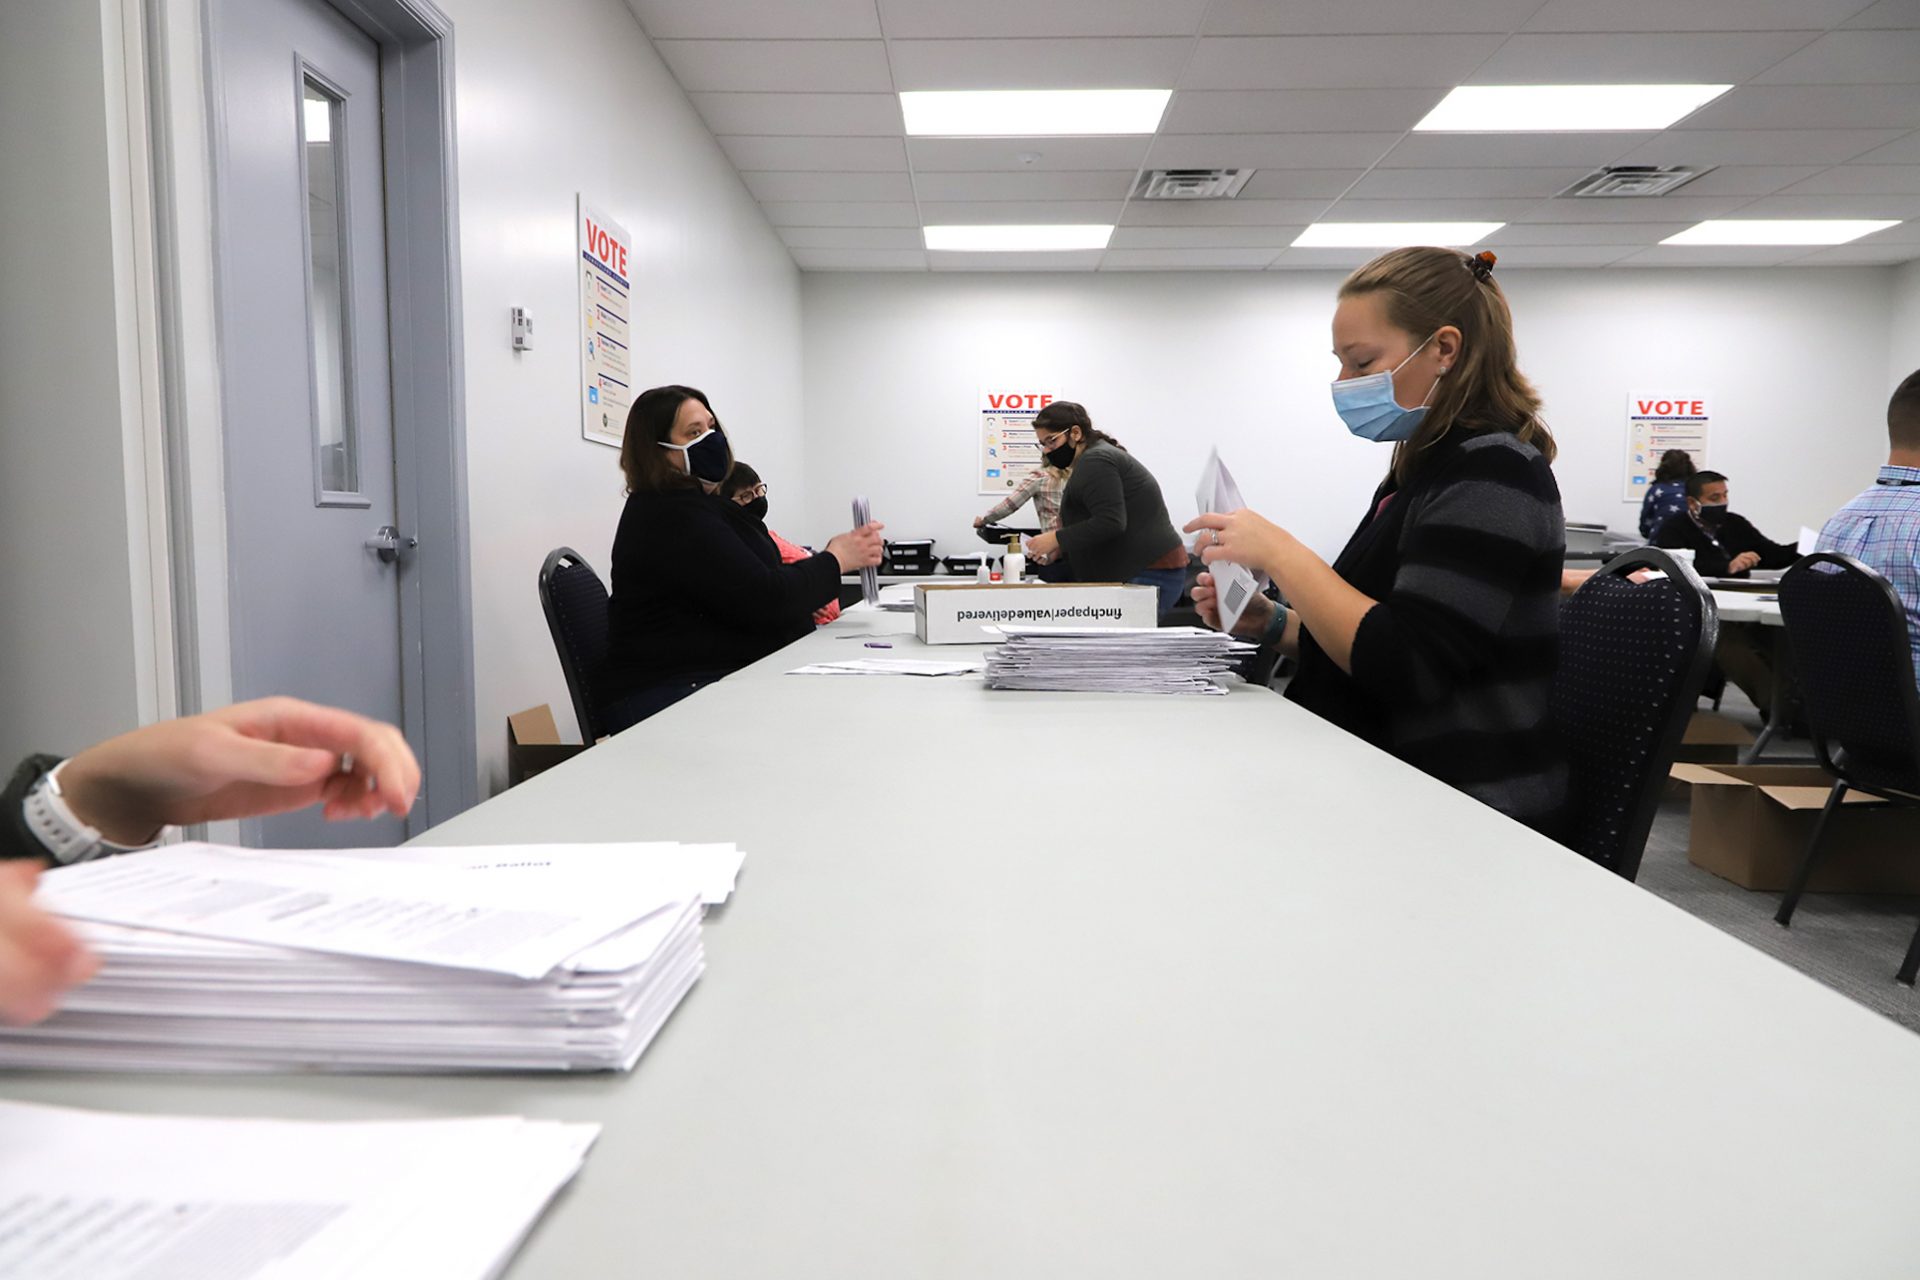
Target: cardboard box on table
{"x":961,"y":613}
{"x":1751,"y":824}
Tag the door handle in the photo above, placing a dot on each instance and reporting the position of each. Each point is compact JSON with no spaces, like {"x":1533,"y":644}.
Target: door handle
{"x":387,"y":543}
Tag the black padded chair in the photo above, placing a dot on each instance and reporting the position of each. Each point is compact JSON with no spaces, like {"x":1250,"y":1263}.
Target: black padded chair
{"x":1848,"y":631}
{"x":575,"y":602}
{"x":1633,"y":656}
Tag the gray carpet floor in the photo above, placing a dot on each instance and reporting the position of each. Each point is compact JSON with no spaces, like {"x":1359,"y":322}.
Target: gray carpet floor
{"x":1852,"y":943}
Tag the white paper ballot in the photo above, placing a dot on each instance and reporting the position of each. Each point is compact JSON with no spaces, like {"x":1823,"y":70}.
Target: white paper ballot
{"x":893,"y":667}
{"x":1235,"y":584}
{"x":1809,"y":540}
{"x":96,"y":1196}
{"x":1120,"y":660}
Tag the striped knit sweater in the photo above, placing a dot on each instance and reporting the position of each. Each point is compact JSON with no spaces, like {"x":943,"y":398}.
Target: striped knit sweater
{"x":1453,"y":668}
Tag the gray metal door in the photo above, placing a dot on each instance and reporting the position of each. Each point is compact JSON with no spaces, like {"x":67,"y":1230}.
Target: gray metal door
{"x":314,"y":558}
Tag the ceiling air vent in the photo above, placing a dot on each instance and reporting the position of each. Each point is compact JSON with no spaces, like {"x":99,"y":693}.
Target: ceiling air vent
{"x":1621,"y":180}
{"x":1192,"y":184}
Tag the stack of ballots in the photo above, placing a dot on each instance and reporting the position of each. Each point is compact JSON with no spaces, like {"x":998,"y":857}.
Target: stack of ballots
{"x":510,"y":957}
{"x":1117,"y":660}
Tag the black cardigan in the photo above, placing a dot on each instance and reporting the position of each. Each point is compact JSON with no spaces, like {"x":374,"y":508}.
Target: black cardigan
{"x":1714,"y":550}
{"x":698,"y":589}
{"x":1452,"y":669}
{"x":1113,"y":521}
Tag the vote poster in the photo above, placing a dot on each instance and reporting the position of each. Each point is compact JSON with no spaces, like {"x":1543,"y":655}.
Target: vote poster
{"x":1657,"y":423}
{"x":606,"y":365}
{"x":1008,"y":451}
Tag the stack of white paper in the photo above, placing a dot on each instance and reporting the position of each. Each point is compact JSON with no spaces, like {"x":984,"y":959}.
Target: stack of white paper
{"x":548,"y":957}
{"x":92,"y":1196}
{"x":1116,"y":660}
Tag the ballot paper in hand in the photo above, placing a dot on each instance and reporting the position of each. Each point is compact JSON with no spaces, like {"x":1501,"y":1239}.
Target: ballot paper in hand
{"x":90,"y":1195}
{"x":869,"y":576}
{"x":1234,"y":584}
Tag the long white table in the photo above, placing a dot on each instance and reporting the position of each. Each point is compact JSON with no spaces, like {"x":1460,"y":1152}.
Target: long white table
{"x":1137,"y":987}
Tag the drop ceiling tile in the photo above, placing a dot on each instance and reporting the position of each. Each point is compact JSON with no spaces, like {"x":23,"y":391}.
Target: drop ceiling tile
{"x":1888,"y":13}
{"x":1859,"y":255}
{"x":1582,"y":233}
{"x":1682,"y":255}
{"x":1364,"y":17}
{"x":1086,"y":260}
{"x":1270,"y":238}
{"x":1492,"y":209}
{"x":778,"y":66}
{"x":1691,"y":15}
{"x":1457,"y":184}
{"x":1336,"y":62}
{"x":831,"y":155}
{"x":1186,"y":259}
{"x":860,"y":259}
{"x":1090,"y":185}
{"x":1221,"y":213}
{"x":836,"y":213}
{"x":1748,"y":179}
{"x":738,"y":19}
{"x":943,"y":19}
{"x":1851,"y":57}
{"x":1725,"y":57}
{"x":1812,"y":106}
{"x":1509,"y":150}
{"x":852,"y":237}
{"x":1758,"y":146}
{"x":1562,"y":255}
{"x":1298,"y":110}
{"x":1844,"y":206}
{"x":1298,"y":184}
{"x":1022,"y":155}
{"x":1900,"y":151}
{"x":825,"y":114}
{"x":1859,"y":180}
{"x":782,"y":186}
{"x":1002,"y":212}
{"x":1269,"y":150}
{"x":1125,"y":63}
{"x":1674,"y":208}
{"x":1342,"y":260}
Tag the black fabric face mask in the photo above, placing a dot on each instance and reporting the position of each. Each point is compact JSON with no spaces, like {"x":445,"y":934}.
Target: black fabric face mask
{"x":1061,"y":458}
{"x":1713,"y":515}
{"x":757,"y":509}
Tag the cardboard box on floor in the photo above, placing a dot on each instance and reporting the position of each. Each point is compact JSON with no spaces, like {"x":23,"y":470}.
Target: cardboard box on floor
{"x":962,"y":613}
{"x":1712,"y":738}
{"x":1751,"y":824}
{"x":533,"y":744}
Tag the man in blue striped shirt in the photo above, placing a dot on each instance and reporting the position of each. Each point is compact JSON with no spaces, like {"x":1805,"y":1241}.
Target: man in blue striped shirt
{"x":1881,"y":527}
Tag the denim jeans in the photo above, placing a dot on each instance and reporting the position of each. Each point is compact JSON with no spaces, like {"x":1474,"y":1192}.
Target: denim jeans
{"x":635,"y":707}
{"x":1168,"y":582}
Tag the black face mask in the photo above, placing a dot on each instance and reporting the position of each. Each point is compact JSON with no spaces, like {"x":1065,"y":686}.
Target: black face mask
{"x":1713,"y":514}
{"x":1062,"y":458}
{"x":757,"y":509}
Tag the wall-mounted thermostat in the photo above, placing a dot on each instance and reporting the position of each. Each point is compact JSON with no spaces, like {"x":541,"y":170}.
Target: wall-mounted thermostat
{"x":522,"y":330}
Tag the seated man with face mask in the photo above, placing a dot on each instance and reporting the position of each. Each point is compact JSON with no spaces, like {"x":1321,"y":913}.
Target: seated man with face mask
{"x":1724,"y":545}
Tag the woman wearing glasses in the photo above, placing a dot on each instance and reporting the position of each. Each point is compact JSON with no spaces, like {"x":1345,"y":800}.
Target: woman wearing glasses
{"x":746,"y":490}
{"x":1113,"y":521}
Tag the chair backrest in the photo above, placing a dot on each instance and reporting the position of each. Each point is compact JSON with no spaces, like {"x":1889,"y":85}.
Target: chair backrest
{"x":1848,"y":633}
{"x":575,"y":602}
{"x":1633,"y":656}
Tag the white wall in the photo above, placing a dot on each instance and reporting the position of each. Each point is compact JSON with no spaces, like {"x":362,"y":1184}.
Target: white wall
{"x":1175,"y":363}
{"x":1905,"y":330}
{"x":555,"y":99}
{"x":68,"y":675}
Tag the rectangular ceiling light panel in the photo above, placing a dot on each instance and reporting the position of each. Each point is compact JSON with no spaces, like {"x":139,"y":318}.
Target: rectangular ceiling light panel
{"x":1030,"y":113}
{"x":1014,"y":238}
{"x":1392,"y":235}
{"x":1565,"y":108}
{"x":1762,"y":231}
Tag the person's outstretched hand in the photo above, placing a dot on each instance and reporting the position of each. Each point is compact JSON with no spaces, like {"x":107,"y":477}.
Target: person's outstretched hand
{"x":40,"y":957}
{"x":247,"y":760}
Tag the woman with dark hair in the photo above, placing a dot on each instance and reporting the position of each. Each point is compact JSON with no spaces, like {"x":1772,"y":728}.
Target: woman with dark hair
{"x":1113,"y":521}
{"x":1434,"y":635}
{"x":745,"y":489}
{"x":1667,"y":495}
{"x":698,"y":587}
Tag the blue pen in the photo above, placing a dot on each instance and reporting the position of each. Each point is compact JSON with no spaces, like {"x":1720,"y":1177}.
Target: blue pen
{"x":876,"y":644}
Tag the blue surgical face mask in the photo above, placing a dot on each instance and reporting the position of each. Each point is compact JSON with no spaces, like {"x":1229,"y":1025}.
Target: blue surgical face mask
{"x":707,"y":455}
{"x":1366,"y":404}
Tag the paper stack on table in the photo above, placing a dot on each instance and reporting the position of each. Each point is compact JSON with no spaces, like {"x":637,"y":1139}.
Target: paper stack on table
{"x":1117,"y":660}
{"x":90,"y":1195}
{"x":893,"y":667}
{"x":517,"y":957}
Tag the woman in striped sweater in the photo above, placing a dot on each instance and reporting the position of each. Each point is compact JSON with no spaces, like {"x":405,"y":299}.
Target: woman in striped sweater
{"x":1434,"y":634}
